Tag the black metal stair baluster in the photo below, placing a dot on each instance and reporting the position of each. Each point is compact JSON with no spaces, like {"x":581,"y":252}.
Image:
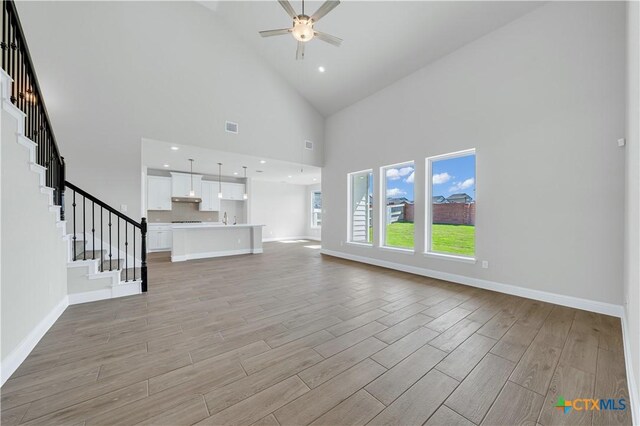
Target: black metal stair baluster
{"x":4,"y":28}
{"x":18,"y":77}
{"x":8,"y":47}
{"x":14,"y":92}
{"x":101,"y":242}
{"x":93,"y":228}
{"x":118,"y":246}
{"x":134,"y":252}
{"x":11,"y":52}
{"x":31,"y":104}
{"x":143,"y":254}
{"x":126,"y":254}
{"x":110,"y":254}
{"x":74,"y":225}
{"x":84,"y":227}
{"x":27,"y":101}
{"x":21,"y":76}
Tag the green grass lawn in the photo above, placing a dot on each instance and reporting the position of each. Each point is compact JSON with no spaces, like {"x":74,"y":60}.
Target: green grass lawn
{"x":452,"y":239}
{"x":400,"y":235}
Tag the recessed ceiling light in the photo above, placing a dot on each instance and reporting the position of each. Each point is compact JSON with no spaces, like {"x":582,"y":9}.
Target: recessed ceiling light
{"x":166,"y":165}
{"x":321,"y":69}
{"x":235,"y":173}
{"x":314,"y":179}
{"x":262,"y":161}
{"x":174,"y":148}
{"x":289,"y":176}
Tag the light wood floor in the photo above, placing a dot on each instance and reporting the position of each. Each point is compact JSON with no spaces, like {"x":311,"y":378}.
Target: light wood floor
{"x":292,"y":337}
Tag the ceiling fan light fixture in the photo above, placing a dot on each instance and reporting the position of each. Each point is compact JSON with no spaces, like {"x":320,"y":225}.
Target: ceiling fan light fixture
{"x":303,"y":29}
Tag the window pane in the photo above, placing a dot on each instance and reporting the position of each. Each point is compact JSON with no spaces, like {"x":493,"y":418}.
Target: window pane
{"x":316,"y":209}
{"x":398,"y":213}
{"x":453,"y":208}
{"x":361,"y":207}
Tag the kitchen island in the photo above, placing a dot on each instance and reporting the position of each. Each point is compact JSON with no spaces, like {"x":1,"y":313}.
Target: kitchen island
{"x":204,"y":240}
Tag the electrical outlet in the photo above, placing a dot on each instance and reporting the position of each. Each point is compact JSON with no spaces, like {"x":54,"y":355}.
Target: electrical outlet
{"x":621,"y":142}
{"x":123,"y":208}
{"x":485,"y":264}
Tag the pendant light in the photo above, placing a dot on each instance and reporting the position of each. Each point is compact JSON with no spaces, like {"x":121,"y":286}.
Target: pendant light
{"x":219,"y":180}
{"x":192,"y":193}
{"x":245,"y":196}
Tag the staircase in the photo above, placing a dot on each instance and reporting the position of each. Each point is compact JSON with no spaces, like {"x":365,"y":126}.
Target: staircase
{"x":107,"y":247}
{"x":361,"y":221}
{"x":106,"y":250}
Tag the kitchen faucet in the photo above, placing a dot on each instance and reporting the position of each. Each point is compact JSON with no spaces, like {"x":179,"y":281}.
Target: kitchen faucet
{"x":224,"y":219}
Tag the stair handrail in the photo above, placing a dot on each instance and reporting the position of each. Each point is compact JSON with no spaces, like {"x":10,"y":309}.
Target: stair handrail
{"x":103,"y":204}
{"x":27,"y":96}
{"x":142,"y":226}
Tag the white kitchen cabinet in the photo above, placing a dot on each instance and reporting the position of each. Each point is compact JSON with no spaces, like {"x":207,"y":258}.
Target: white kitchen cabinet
{"x":232,"y":191}
{"x":158,"y":193}
{"x":210,"y":201}
{"x":159,"y":238}
{"x":181,"y":184}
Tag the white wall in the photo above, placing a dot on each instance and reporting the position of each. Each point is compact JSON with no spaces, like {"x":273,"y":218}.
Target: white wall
{"x":121,"y":71}
{"x":312,"y":232}
{"x":279,"y":206}
{"x":542,"y":101}
{"x":33,"y":283}
{"x":632,"y":208}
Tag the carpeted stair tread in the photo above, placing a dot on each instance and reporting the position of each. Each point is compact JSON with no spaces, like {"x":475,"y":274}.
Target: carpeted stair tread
{"x":129,"y":274}
{"x":90,"y":255}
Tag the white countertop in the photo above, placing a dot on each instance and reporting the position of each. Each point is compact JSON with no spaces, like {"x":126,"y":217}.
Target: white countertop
{"x":211,"y":225}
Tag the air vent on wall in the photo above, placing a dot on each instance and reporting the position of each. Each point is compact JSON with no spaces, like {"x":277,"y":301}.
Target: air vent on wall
{"x":308,"y":145}
{"x":231,"y":127}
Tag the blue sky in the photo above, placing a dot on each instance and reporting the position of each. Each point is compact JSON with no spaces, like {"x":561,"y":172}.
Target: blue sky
{"x":451,"y":176}
{"x":454,"y":175}
{"x":400,"y":182}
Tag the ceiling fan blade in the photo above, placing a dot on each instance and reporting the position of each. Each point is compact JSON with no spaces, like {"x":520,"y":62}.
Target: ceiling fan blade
{"x":300,"y":51}
{"x":328,"y":38}
{"x":326,"y":7}
{"x":288,"y":8}
{"x":269,"y":33}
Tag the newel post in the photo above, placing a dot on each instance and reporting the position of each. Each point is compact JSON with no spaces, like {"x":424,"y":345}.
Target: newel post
{"x":143,"y":255}
{"x":61,"y":186}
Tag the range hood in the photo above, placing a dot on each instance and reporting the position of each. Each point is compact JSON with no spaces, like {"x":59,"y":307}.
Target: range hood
{"x":186,"y":199}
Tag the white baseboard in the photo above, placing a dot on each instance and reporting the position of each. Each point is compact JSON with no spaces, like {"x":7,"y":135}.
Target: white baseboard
{"x":119,"y":290}
{"x":11,"y":363}
{"x":558,"y":299}
{"x":634,"y":402}
{"x":270,"y":240}
{"x":89,"y":296}
{"x":206,"y":255}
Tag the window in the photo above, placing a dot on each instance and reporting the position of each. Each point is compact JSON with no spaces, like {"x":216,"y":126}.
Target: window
{"x":451,"y":217}
{"x":361,"y":207}
{"x":397,"y":213}
{"x":316,"y":209}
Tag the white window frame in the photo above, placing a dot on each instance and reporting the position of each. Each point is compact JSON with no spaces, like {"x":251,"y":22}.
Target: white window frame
{"x":314,"y":224}
{"x":383,"y":208}
{"x":429,"y":206}
{"x":349,"y":238}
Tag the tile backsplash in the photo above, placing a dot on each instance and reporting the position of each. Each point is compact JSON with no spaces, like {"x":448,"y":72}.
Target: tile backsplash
{"x":181,"y":211}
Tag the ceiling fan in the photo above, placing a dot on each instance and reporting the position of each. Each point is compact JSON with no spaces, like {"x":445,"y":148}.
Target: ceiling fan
{"x":302,"y":29}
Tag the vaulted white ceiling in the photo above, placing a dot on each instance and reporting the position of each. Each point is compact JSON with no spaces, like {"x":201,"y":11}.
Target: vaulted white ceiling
{"x":383,"y":41}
